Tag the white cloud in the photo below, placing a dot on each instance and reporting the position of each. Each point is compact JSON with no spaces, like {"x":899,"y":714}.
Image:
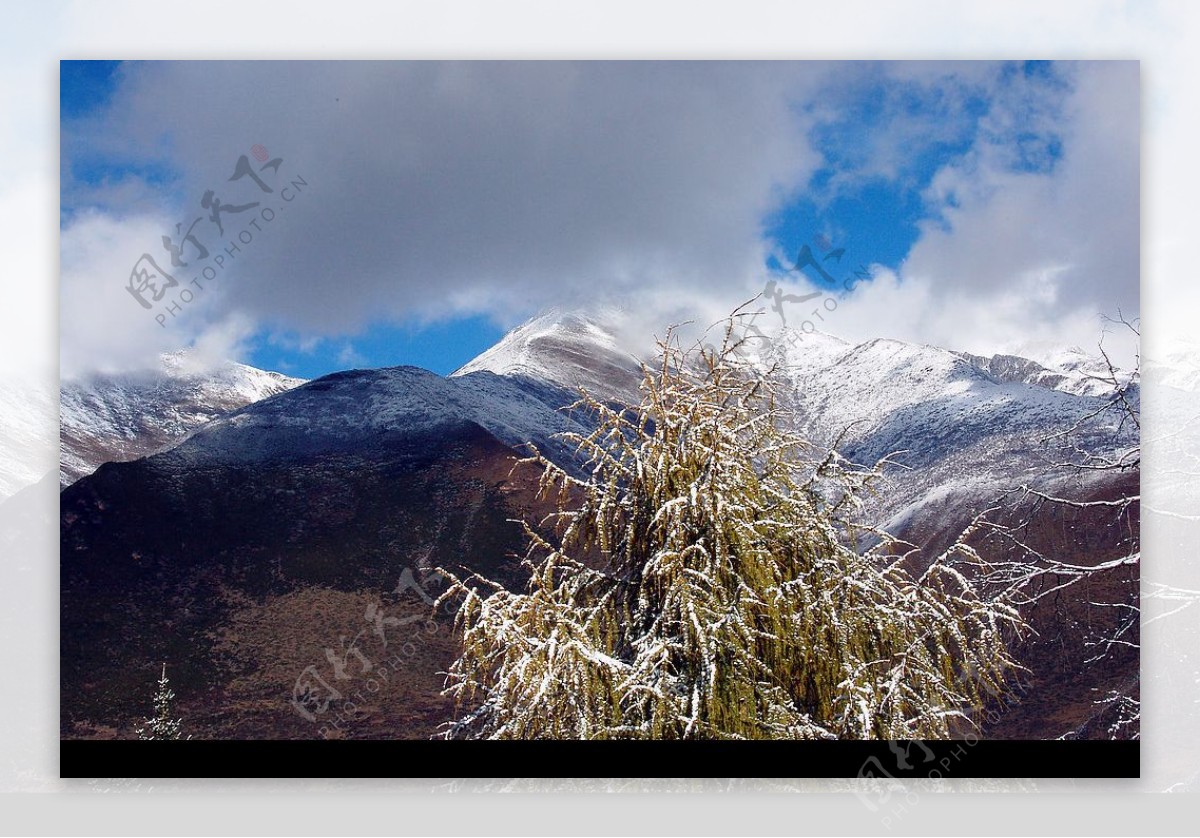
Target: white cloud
{"x":1019,"y":252}
{"x":105,"y":328}
{"x":915,"y":311}
{"x":349,"y":357}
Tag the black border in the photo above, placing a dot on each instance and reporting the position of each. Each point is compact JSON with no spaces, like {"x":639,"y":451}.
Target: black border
{"x":940,"y":759}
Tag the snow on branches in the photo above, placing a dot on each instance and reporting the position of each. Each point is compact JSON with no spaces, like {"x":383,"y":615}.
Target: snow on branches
{"x":706,"y":579}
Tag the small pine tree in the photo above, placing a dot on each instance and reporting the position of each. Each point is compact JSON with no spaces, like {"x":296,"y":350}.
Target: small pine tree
{"x":161,"y":725}
{"x":706,"y":581}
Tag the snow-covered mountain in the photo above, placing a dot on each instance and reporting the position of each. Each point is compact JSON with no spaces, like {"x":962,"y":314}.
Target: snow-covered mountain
{"x":116,"y":418}
{"x":943,"y":409}
{"x":1070,"y":371}
{"x":966,"y":425}
{"x":1069,"y":368}
{"x":350,"y":409}
{"x":569,"y":350}
{"x":310,"y":495}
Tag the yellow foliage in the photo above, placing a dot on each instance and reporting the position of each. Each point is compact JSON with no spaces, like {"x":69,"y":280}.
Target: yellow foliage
{"x":731,"y":599}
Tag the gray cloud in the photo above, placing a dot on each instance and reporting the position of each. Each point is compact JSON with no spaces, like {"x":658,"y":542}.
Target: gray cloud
{"x":437,"y":189}
{"x":505,"y":186}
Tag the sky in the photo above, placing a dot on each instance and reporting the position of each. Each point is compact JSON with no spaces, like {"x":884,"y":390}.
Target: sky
{"x":362,"y":214}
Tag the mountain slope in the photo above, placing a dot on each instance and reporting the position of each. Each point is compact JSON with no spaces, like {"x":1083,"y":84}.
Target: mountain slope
{"x":275,"y":539}
{"x":116,"y":418}
{"x":349,"y":410}
{"x":957,"y":424}
{"x":247,"y":552}
{"x":211,"y":555}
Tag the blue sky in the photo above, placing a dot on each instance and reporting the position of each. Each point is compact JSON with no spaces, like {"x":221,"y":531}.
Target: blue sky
{"x":85,"y":86}
{"x":442,"y":347}
{"x":458,"y":214}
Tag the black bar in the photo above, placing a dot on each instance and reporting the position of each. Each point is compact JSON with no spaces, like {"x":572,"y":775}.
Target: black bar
{"x":599,"y":759}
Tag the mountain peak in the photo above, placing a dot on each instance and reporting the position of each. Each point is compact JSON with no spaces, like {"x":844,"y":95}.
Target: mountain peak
{"x":569,"y":349}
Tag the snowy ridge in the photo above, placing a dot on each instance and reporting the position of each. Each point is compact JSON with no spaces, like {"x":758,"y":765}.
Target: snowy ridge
{"x":1057,"y":366}
{"x":114,"y":418}
{"x":349,"y":410}
{"x":959,"y":428}
{"x":1075,"y":373}
{"x":881,"y":394}
{"x":568,"y":350}
{"x":926,"y":392}
{"x":967,"y":425}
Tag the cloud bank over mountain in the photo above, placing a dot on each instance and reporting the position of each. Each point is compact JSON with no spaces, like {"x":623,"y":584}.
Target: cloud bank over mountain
{"x":440,"y":190}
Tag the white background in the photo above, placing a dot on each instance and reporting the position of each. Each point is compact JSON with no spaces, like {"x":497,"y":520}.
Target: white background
{"x":1162,"y":35}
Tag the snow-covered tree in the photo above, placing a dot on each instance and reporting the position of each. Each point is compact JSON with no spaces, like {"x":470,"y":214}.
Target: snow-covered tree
{"x":162,"y":725}
{"x":711,"y":578}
